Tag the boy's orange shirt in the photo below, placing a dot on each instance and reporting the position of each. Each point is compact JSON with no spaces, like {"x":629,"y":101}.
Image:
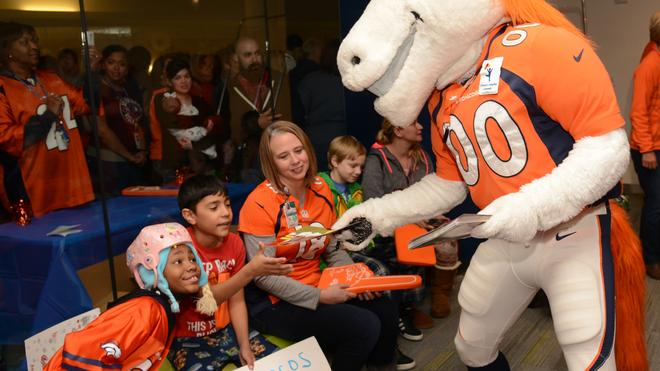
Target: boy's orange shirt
{"x":132,"y":335}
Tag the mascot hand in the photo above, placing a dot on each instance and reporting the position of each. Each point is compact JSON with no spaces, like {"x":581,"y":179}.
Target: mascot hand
{"x":359,"y":232}
{"x":512,"y":218}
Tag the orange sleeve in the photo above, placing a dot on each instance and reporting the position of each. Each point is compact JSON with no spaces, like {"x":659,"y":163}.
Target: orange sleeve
{"x":78,"y":104}
{"x":445,"y":165}
{"x":156,"y":146}
{"x":644,"y":88}
{"x":572,"y":85}
{"x":256,"y":216}
{"x":11,"y":131}
{"x":100,"y":111}
{"x":126,"y":336}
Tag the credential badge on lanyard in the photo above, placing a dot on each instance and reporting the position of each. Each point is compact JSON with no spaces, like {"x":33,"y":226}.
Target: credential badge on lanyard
{"x":489,"y":76}
{"x":291,"y":214}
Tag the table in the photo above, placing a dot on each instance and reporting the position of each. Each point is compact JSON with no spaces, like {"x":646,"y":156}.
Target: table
{"x":39,"y":286}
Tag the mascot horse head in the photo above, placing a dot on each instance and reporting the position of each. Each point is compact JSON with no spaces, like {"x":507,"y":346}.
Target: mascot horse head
{"x":401,"y":50}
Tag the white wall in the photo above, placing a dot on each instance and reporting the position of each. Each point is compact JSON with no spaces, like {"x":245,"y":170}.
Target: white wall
{"x":620,"y":30}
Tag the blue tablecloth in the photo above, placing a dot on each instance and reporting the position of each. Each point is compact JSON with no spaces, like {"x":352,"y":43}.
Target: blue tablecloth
{"x":39,"y":286}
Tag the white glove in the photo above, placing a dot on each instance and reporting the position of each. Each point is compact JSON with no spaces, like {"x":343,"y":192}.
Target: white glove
{"x":591,"y":169}
{"x":423,"y":200}
{"x":512,"y":218}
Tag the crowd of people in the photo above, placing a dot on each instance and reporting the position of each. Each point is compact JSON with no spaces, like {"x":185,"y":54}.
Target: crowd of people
{"x":201,"y":120}
{"x":184,"y":114}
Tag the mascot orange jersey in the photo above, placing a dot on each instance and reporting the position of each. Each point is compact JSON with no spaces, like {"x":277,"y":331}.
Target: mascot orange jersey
{"x":52,"y":178}
{"x":499,"y":142}
{"x":133,"y":335}
{"x":269,"y":212}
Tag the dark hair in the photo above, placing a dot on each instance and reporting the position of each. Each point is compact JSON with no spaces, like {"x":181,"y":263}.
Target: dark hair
{"x":174,"y":66}
{"x":294,"y":41}
{"x":68,"y":52}
{"x":10,"y":32}
{"x":111,"y":49}
{"x":195,"y":188}
{"x":329,"y":56}
{"x":139,"y":58}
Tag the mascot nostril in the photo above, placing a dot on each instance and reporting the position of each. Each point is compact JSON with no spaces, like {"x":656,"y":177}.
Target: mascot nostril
{"x":355,"y":60}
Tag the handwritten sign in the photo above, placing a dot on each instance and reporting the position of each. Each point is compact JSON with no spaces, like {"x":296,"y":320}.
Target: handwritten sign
{"x":40,"y":347}
{"x":301,"y":356}
{"x":345,"y":274}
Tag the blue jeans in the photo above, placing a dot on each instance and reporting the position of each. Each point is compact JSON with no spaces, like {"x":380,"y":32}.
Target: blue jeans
{"x":649,"y":231}
{"x":354,"y":333}
{"x":215,"y":351}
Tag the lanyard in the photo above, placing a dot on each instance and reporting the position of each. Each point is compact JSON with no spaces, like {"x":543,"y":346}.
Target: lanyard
{"x":31,"y":83}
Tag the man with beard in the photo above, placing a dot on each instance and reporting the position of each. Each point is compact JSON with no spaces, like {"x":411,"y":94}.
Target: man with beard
{"x":251,"y":95}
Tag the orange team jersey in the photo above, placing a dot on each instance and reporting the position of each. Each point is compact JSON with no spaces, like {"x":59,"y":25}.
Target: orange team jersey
{"x":156,"y":147}
{"x":219,"y":263}
{"x":53,"y":178}
{"x":553,"y":91}
{"x":132,"y":335}
{"x":264,"y":214}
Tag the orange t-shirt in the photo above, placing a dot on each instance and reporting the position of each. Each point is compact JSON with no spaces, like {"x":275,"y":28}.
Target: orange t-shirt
{"x":645,"y":108}
{"x":132,"y":335}
{"x":263,"y":214}
{"x":53,"y":179}
{"x":156,"y":146}
{"x":548,"y":98}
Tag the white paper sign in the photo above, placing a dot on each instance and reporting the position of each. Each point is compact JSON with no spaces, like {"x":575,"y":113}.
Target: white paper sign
{"x":303,"y":355}
{"x":40,"y":347}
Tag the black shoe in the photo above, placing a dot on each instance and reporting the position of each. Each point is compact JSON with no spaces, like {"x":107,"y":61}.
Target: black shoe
{"x":403,"y":362}
{"x":408,"y":331}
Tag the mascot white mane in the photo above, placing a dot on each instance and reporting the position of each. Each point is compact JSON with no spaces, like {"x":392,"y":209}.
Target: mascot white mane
{"x":406,"y":51}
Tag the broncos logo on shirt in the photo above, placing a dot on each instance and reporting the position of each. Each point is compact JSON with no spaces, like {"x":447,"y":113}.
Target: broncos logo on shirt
{"x":263,"y":214}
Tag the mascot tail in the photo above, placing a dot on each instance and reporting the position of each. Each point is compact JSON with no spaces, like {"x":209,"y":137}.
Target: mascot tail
{"x":630,"y":286}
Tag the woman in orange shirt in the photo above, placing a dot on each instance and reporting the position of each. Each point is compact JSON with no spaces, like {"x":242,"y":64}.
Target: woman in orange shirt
{"x":353,"y":332}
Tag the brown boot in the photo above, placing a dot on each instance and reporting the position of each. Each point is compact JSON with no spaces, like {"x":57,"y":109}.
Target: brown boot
{"x":442,"y":284}
{"x":421,"y":320}
{"x":653,"y":270}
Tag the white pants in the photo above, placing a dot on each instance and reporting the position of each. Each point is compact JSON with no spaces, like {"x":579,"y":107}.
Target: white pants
{"x":572,"y":263}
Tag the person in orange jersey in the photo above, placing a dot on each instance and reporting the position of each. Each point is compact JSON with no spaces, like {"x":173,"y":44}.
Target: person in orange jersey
{"x":135,"y":333}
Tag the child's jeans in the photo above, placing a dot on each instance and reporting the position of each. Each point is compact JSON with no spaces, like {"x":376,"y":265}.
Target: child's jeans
{"x":215,"y":351}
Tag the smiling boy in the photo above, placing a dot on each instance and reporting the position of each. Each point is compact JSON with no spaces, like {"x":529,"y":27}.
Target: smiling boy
{"x":216,"y":341}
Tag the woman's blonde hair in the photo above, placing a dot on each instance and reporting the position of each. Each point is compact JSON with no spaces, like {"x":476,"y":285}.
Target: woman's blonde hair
{"x":266,"y":156}
{"x":386,"y":135}
{"x":343,"y":147}
{"x":654,"y":28}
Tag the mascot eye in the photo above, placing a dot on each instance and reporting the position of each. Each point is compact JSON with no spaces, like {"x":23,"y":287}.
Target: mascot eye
{"x":417,"y":16}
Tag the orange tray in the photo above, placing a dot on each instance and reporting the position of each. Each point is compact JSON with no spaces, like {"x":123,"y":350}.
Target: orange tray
{"x":149,"y":191}
{"x":360,"y":279}
{"x":420,"y":256}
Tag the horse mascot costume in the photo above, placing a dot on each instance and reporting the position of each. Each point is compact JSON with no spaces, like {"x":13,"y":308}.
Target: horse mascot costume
{"x":525,"y":119}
